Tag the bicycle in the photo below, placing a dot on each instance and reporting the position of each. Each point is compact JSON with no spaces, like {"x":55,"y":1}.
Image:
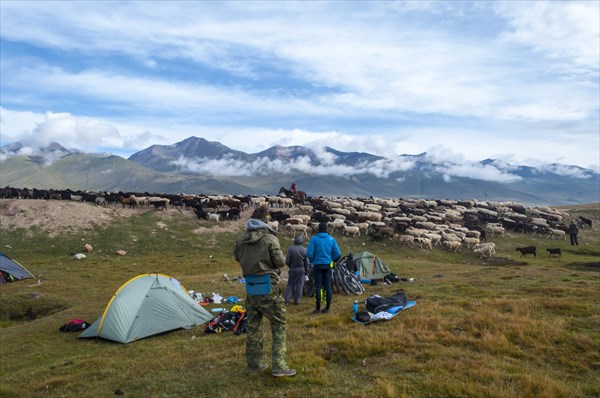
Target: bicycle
{"x":343,"y":280}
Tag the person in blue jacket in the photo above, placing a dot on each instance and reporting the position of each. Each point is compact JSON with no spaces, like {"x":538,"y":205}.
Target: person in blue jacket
{"x":322,"y":251}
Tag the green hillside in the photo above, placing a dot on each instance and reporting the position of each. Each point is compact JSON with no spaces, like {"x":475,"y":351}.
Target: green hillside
{"x":504,"y":327}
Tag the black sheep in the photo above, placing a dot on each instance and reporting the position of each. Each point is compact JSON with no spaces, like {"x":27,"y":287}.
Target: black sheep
{"x":527,"y":250}
{"x":554,"y":251}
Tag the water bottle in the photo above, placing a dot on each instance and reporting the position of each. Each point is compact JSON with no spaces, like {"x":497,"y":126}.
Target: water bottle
{"x":355,"y":307}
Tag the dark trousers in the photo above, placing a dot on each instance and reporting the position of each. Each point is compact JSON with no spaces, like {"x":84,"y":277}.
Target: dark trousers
{"x":295,"y":285}
{"x":574,"y":239}
{"x":322,"y":274}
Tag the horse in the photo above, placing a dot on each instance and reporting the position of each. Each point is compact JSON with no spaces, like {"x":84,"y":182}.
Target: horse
{"x":299,"y":196}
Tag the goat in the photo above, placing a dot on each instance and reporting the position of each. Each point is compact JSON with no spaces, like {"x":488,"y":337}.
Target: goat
{"x":527,"y":250}
{"x":554,"y":251}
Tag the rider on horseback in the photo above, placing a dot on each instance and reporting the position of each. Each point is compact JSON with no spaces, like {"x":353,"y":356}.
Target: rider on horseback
{"x":293,"y":187}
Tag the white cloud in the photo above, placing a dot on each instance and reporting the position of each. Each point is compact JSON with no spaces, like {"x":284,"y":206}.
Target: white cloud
{"x":563,"y":30}
{"x":476,"y":171}
{"x":387,"y":78}
{"x":69,"y":131}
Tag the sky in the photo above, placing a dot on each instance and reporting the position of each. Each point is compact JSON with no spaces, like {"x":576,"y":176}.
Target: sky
{"x":516,"y":81}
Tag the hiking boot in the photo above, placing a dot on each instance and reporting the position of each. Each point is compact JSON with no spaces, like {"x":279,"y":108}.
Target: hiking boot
{"x":317,"y":311}
{"x":284,"y":372}
{"x":325,"y":311}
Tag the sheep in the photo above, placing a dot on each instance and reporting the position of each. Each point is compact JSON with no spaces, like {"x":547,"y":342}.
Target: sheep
{"x":139,"y":200}
{"x":557,"y":233}
{"x":480,"y":245}
{"x":436,"y":239}
{"x":495,"y":230}
{"x":554,"y":251}
{"x":362,"y":226}
{"x":292,"y":220}
{"x":160,"y":205}
{"x":300,"y":229}
{"x":406,"y":240}
{"x":286,"y":202}
{"x":351,"y":229}
{"x":304,"y":217}
{"x":213,"y":217}
{"x":526,"y":250}
{"x":273,"y":224}
{"x":453,"y":246}
{"x":450,"y":237}
{"x":424,"y":242}
{"x":470,"y":241}
{"x":485,"y":251}
{"x":336,"y":225}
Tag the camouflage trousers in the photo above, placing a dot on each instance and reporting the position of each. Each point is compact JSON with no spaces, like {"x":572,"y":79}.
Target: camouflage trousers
{"x":271,"y":307}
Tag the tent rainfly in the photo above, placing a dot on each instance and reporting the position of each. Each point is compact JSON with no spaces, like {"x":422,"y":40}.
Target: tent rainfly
{"x":370,"y":266}
{"x":144,"y":306}
{"x":11,"y":271}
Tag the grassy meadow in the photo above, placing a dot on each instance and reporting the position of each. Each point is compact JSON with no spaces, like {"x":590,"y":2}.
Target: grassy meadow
{"x":504,"y":327}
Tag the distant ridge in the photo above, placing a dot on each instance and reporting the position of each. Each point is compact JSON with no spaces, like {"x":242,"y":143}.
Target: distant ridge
{"x":196,"y":165}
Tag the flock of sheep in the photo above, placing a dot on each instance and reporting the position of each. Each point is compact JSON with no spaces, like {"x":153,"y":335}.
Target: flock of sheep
{"x":427,"y":223}
{"x":452,"y":224}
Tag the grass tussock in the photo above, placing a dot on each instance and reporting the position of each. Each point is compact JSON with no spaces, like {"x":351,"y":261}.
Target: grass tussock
{"x":505,"y":327}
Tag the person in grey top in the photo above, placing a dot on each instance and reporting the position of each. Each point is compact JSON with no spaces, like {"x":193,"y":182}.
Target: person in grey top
{"x":297,"y":261}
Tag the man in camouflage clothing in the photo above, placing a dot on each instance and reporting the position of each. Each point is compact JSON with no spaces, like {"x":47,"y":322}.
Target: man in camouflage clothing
{"x":258,"y":252}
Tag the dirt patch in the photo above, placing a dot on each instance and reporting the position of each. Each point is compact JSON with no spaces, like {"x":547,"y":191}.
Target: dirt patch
{"x":55,"y":217}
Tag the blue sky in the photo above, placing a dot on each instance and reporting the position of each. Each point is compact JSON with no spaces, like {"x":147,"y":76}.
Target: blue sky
{"x":463,"y":81}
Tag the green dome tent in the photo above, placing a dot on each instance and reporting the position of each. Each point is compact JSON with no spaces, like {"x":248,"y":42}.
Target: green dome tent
{"x":370,"y":266}
{"x":144,"y":306}
{"x":11,"y":271}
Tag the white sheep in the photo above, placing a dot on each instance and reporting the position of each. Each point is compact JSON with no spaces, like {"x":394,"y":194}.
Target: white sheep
{"x":470,"y":241}
{"x":557,"y":234}
{"x":273,"y":224}
{"x":485,"y":251}
{"x":424,"y":242}
{"x":453,"y":246}
{"x":351,"y":230}
{"x":298,"y":229}
{"x":406,"y":240}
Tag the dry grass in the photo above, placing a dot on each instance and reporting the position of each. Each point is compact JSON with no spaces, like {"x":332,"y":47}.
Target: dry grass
{"x":506,"y":328}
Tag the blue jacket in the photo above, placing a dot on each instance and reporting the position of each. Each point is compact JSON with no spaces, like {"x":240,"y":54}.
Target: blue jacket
{"x":323,"y":249}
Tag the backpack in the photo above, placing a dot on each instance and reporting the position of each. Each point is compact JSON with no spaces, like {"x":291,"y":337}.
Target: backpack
{"x":377,"y":303}
{"x":74,"y":325}
{"x":391,"y":278}
{"x":228,"y":320}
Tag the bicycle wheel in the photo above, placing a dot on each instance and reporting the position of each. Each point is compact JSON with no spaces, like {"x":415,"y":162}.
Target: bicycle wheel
{"x":354,"y":286}
{"x":340,"y":283}
{"x":309,"y":288}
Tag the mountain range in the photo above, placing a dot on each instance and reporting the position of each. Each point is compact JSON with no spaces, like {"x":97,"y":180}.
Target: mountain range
{"x":196,"y":165}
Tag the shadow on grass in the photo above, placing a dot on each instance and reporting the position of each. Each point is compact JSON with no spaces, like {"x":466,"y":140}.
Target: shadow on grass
{"x":29,"y":307}
{"x":584,"y":266}
{"x":500,"y":261}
